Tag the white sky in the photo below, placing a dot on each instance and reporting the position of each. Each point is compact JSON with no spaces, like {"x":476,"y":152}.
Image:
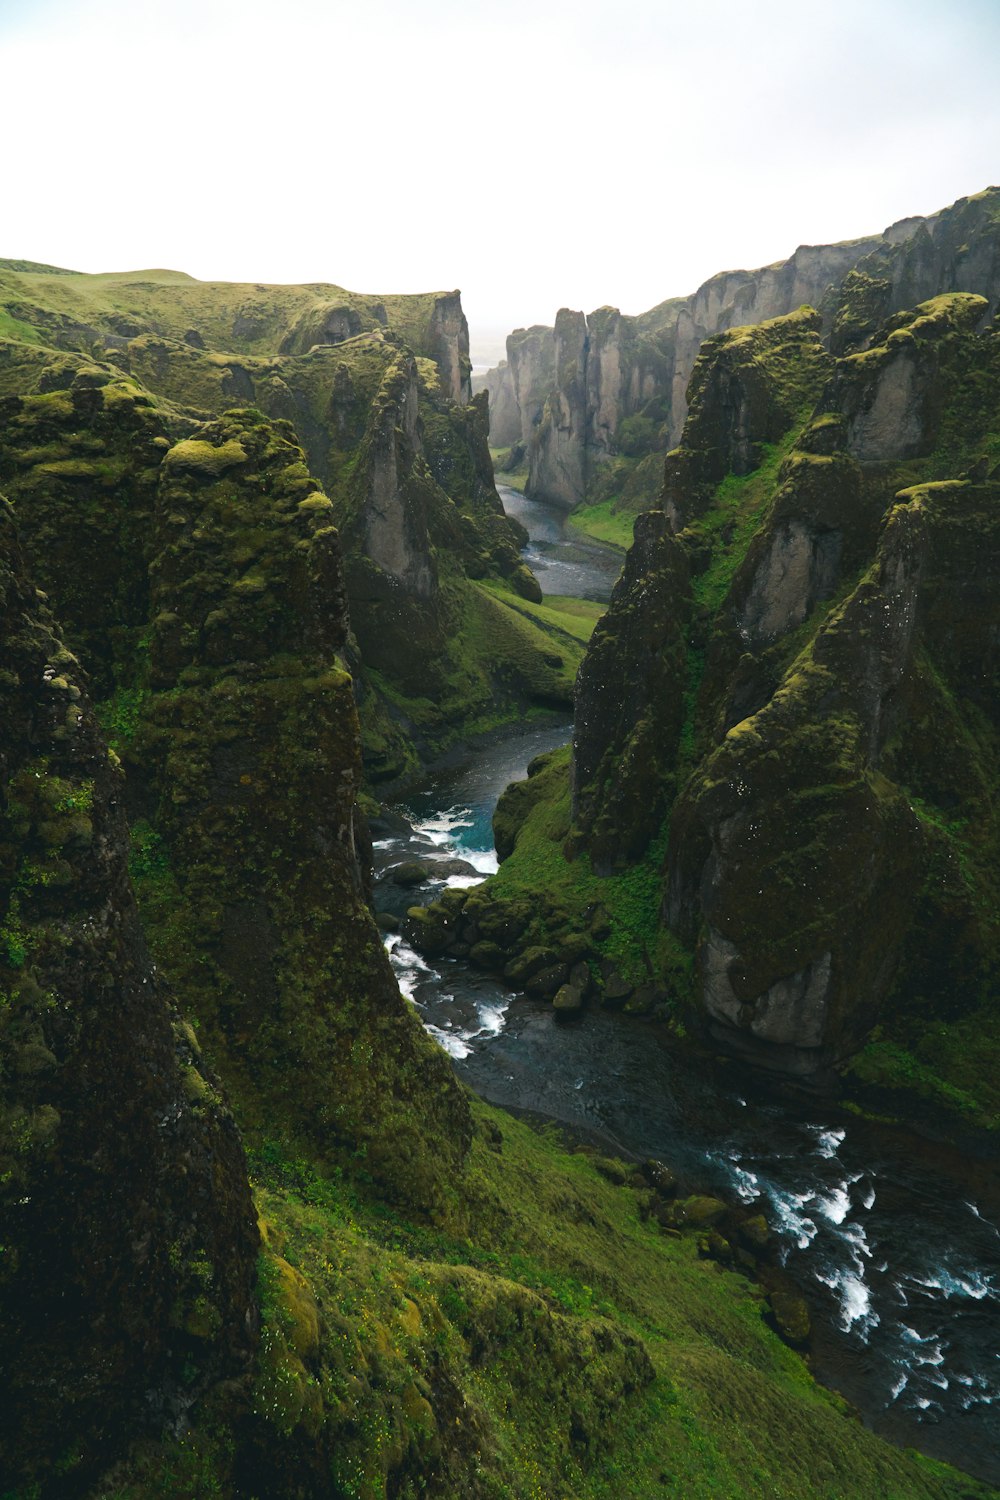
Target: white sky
{"x":535,"y":153}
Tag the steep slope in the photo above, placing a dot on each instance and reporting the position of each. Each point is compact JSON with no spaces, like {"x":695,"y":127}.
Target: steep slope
{"x":448,"y":1303}
{"x":127,"y":1267}
{"x":621,"y":397}
{"x":785,"y":746}
{"x":377,"y":390}
{"x":222,"y":687}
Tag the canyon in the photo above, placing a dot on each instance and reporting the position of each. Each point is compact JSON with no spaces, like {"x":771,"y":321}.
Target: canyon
{"x":255,"y":579}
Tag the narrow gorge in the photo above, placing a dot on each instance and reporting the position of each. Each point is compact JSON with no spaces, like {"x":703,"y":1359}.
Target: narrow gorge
{"x":499,"y":933}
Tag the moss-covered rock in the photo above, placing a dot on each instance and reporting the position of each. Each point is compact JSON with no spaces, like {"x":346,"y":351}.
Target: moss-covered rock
{"x":250,"y":742}
{"x":128,"y":1238}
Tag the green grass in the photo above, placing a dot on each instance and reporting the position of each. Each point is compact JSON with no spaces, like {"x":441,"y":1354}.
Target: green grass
{"x":569,"y":616}
{"x":606,"y":522}
{"x":739,"y":506}
{"x":569,"y":888}
{"x":549,"y":1343}
{"x":14,"y":328}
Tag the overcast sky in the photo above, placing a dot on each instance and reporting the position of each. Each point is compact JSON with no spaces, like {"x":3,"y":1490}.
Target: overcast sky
{"x":535,"y":153}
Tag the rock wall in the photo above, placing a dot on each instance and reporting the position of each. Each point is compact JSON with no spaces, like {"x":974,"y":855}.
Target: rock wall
{"x":129,"y":1240}
{"x":797,"y":639}
{"x":639,"y":368}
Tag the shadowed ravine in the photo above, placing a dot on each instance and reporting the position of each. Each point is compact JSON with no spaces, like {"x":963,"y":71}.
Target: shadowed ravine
{"x":898,"y":1253}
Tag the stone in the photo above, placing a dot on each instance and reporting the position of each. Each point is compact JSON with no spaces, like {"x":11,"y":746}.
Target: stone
{"x":581,"y":978}
{"x":409,"y":874}
{"x":545,"y":982}
{"x":661,"y":1178}
{"x":616,"y":989}
{"x":486,"y":955}
{"x":700,"y":1211}
{"x":791,"y":1316}
{"x":567,"y":1001}
{"x":527,"y":964}
{"x":754,"y":1232}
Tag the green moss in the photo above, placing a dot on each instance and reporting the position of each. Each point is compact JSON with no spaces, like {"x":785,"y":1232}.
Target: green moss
{"x":737,"y":509}
{"x":556,"y":1344}
{"x":205,"y":460}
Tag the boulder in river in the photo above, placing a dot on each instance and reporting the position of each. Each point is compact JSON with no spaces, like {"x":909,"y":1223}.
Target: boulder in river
{"x":547,"y":981}
{"x":567,"y":1002}
{"x":411,"y":873}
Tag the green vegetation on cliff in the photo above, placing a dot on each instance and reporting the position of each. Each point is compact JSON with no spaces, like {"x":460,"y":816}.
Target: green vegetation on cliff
{"x":375,"y":389}
{"x":786,"y":733}
{"x":446,"y":1302}
{"x":553,"y":1342}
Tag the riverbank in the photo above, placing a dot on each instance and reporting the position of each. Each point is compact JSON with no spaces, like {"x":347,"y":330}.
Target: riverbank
{"x":893,"y":1240}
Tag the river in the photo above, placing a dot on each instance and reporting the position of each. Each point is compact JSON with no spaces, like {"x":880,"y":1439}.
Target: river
{"x":895,"y":1242}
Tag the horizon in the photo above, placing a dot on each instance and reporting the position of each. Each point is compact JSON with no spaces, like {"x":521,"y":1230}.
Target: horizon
{"x":487,"y":342}
{"x":377,"y":148}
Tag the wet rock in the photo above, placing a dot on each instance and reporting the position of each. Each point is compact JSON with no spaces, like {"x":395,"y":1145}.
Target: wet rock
{"x":791,"y":1316}
{"x":544,"y":984}
{"x":567,"y":1001}
{"x":528,"y":964}
{"x":409,"y":874}
{"x":486,"y":955}
{"x":440,"y":868}
{"x":387,"y":921}
{"x":431,"y":929}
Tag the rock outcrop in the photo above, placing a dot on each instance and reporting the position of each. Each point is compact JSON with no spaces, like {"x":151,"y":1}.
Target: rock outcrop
{"x":377,"y":392}
{"x":129,"y":1241}
{"x":586,"y":428}
{"x":786,"y":722}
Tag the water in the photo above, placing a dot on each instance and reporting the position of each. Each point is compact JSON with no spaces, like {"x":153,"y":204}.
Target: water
{"x":896,"y":1243}
{"x":562,"y":562}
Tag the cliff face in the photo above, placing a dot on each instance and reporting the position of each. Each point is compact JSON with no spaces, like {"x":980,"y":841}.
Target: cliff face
{"x":128,"y":1235}
{"x":504,"y":412}
{"x":783,"y":773}
{"x":638,"y":369}
{"x":377,"y":391}
{"x":802,"y":885}
{"x":238,"y":721}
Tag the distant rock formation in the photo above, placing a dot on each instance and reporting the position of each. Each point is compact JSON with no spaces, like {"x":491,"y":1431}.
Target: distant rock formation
{"x":606,"y":387}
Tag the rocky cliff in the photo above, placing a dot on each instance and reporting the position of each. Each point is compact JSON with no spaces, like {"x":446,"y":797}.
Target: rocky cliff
{"x":786,"y":729}
{"x":632,"y":393}
{"x":432,"y":1298}
{"x":129,"y":1241}
{"x":377,"y":392}
{"x":222,"y":681}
